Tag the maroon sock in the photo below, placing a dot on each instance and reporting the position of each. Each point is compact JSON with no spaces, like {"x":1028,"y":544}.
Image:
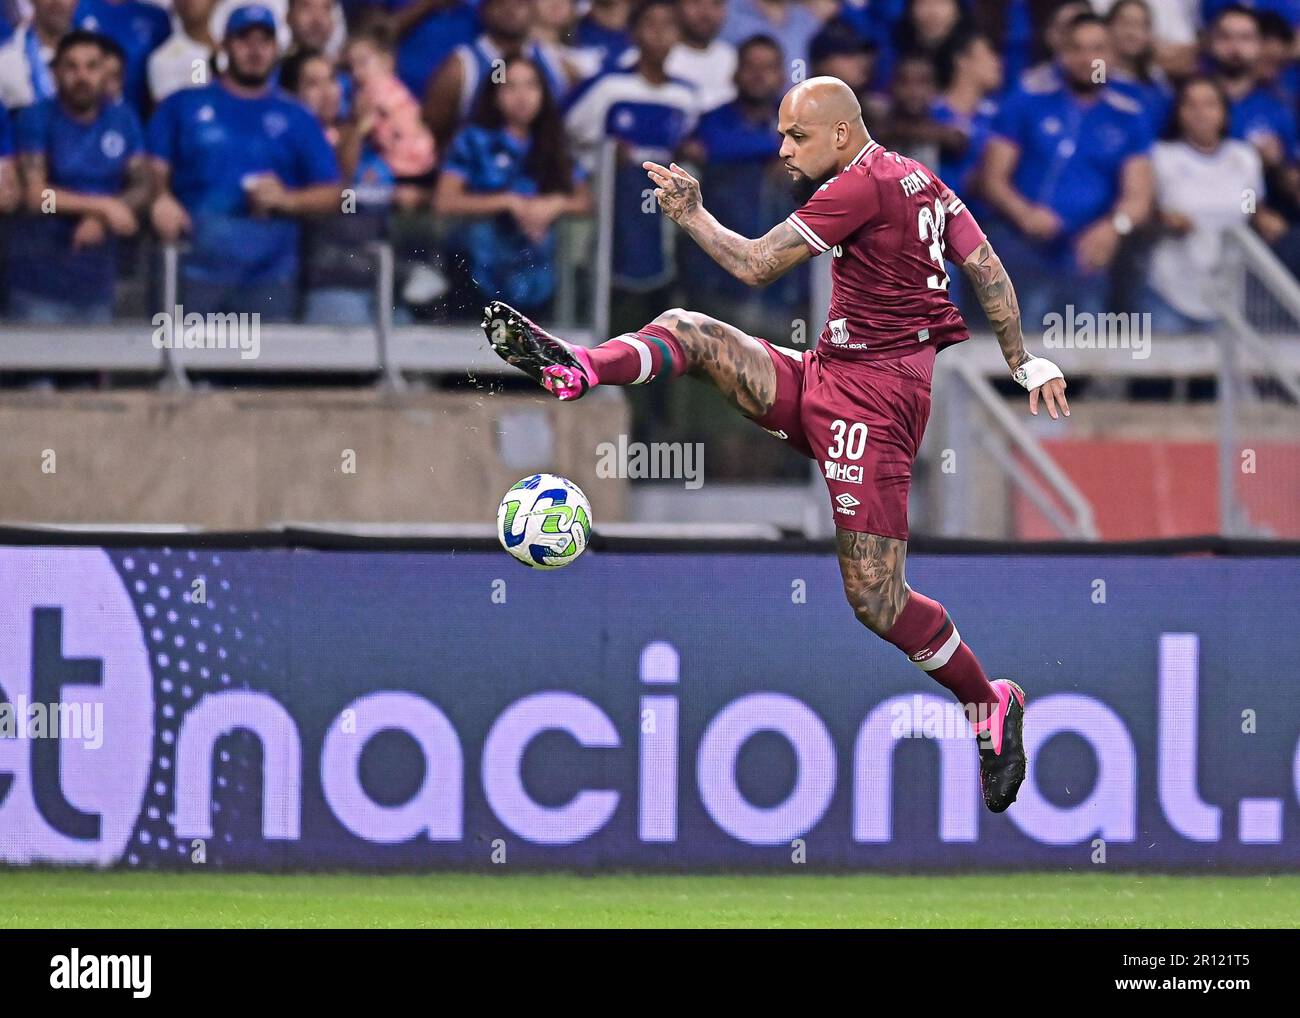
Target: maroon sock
{"x":925,"y":633}
{"x":638,"y":357}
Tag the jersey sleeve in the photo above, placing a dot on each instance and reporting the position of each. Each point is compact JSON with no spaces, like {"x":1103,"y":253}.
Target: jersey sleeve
{"x":962,"y":234}
{"x":840,"y":206}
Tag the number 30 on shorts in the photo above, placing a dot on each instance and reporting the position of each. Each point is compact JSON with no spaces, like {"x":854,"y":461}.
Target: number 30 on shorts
{"x":848,"y":440}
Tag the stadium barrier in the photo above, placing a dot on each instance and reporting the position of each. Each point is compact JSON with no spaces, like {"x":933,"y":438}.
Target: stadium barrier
{"x":382,"y":707}
{"x":251,"y":458}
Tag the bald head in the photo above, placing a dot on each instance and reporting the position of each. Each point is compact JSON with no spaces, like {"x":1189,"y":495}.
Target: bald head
{"x":821,"y":127}
{"x":822,"y":100}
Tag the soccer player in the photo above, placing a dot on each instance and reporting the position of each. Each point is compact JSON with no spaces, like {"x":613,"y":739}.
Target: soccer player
{"x":859,"y":402}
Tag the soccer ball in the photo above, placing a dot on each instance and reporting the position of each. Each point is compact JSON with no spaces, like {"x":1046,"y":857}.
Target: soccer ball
{"x":544,"y":521}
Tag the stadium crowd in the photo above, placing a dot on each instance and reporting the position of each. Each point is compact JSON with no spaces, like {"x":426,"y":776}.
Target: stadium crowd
{"x":1103,"y":146}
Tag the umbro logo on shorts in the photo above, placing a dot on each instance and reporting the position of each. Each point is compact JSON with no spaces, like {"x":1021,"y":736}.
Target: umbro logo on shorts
{"x":845,"y":504}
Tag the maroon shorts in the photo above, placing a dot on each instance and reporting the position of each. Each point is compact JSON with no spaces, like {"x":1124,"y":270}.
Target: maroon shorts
{"x":863,"y":426}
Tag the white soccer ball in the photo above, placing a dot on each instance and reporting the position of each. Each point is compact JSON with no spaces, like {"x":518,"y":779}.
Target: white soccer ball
{"x":544,"y":521}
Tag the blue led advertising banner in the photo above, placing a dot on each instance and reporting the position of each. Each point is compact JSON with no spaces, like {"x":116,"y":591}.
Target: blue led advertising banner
{"x":276,"y":709}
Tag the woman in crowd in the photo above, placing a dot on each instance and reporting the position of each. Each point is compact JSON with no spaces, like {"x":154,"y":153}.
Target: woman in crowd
{"x":386,"y":156}
{"x":510,"y":176}
{"x":1205,"y":183}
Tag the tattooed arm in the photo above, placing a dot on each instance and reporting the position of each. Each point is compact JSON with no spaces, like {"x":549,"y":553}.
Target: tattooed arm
{"x":1040,"y":377}
{"x":997,"y":296}
{"x":754,"y":262}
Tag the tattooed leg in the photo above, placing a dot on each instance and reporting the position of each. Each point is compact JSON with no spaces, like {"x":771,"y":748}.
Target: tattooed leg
{"x":872,"y":568}
{"x":736,"y":364}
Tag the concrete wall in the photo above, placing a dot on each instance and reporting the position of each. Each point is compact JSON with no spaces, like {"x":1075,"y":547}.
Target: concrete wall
{"x":243,"y":459}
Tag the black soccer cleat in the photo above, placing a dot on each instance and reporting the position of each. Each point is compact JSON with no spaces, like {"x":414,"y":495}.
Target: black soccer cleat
{"x":1002,"y":749}
{"x":554,"y":364}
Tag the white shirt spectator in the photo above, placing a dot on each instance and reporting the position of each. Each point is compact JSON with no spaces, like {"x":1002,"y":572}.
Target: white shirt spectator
{"x":16,"y":72}
{"x":1208,"y":189}
{"x":1172,"y":21}
{"x":172,"y":65}
{"x":711,"y":70}
{"x":625,"y":105}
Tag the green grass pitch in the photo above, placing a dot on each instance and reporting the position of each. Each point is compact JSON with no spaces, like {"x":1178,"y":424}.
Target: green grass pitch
{"x":114,"y":900}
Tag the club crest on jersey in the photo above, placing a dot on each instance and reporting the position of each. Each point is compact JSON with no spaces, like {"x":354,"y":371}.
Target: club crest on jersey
{"x":839,"y":331}
{"x":112,"y":144}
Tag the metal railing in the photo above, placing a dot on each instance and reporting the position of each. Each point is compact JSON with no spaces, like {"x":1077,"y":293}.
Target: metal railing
{"x":1045,"y":484}
{"x":1251,"y":263}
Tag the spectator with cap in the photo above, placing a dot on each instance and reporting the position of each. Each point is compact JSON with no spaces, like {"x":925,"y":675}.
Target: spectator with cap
{"x":86,"y":185}
{"x":1068,"y":172}
{"x":185,"y":59}
{"x":237,"y":163}
{"x":25,"y":75}
{"x":284,"y":34}
{"x":702,"y":57}
{"x":139,"y":28}
{"x":455,"y":88}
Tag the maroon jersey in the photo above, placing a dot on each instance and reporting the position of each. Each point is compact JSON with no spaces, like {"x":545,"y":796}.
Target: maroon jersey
{"x":888,"y":222}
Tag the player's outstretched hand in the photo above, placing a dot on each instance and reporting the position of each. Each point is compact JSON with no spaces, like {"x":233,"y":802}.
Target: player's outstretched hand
{"x":1053,"y":394}
{"x":1043,"y":379}
{"x":677,"y":192}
